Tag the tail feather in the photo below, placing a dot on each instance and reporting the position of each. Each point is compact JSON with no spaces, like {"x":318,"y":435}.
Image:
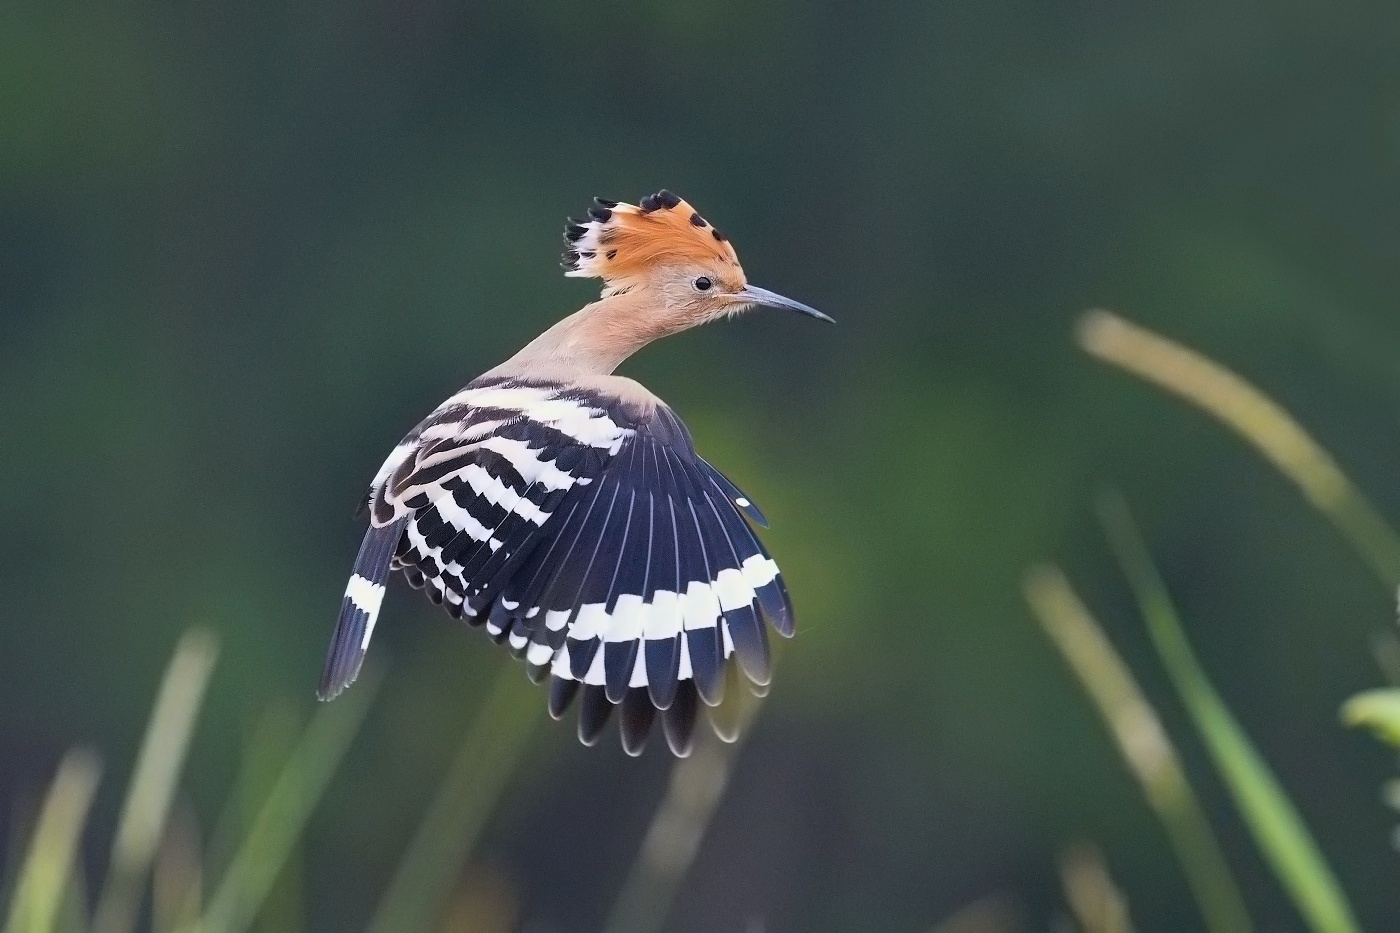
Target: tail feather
{"x":359,"y":609}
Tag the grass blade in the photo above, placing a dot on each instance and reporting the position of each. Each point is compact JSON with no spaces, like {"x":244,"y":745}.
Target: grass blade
{"x":266,"y":749}
{"x":1283,"y":838}
{"x":1144,"y":745}
{"x":73,"y":914}
{"x":1093,"y":898}
{"x":257,"y":863}
{"x":458,"y":813}
{"x":48,"y":866}
{"x":1261,"y":421}
{"x":158,"y":767}
{"x":177,"y":875}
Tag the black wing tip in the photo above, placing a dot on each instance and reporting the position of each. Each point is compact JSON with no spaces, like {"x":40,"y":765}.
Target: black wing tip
{"x":345,"y":655}
{"x":635,"y":718}
{"x":342,"y":668}
{"x":678,"y":722}
{"x":329,"y":691}
{"x":348,"y":641}
{"x":636,"y":715}
{"x":618,"y":660}
{"x":731,"y":491}
{"x":561,"y":694}
{"x":335,"y":681}
{"x":595,"y":709}
{"x":663,"y":656}
{"x":751,"y":510}
{"x":757,"y":664}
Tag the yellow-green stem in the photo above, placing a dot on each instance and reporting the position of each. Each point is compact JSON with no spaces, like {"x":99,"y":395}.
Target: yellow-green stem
{"x":1259,"y":420}
{"x":1144,"y":745}
{"x":1277,"y":827}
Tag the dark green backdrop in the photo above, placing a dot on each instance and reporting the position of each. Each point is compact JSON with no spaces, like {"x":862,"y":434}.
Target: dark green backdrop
{"x":244,"y":246}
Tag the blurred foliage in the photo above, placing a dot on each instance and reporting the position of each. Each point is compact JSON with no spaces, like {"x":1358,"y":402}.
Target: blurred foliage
{"x":1256,"y":418}
{"x":246,"y":246}
{"x":1378,"y":710}
{"x":1146,"y":749}
{"x":49,"y":894}
{"x":1273,"y":819}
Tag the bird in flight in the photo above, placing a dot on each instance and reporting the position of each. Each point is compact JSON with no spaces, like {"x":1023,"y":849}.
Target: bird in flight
{"x":566,"y":510}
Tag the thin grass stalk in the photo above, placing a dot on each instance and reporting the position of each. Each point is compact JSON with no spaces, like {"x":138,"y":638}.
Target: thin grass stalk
{"x":73,"y":916}
{"x":49,"y":863}
{"x":284,"y":910}
{"x":266,"y":749}
{"x":668,"y":849}
{"x":23,"y":811}
{"x":158,"y":767}
{"x":1143,"y":742}
{"x":1259,"y":420}
{"x":259,"y":861}
{"x":177,"y":875}
{"x":467,"y":796}
{"x":1277,"y":827}
{"x":1096,"y":902}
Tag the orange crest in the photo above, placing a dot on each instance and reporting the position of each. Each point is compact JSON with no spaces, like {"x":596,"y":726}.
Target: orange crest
{"x":619,"y":241}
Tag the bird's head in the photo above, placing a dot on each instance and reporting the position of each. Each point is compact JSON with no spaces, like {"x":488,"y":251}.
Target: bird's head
{"x":663,"y":248}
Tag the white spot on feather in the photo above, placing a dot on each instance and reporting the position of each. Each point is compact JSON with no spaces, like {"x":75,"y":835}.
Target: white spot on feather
{"x":367,"y":597}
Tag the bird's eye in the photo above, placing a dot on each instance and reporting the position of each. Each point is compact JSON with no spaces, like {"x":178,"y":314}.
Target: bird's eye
{"x":703,"y":284}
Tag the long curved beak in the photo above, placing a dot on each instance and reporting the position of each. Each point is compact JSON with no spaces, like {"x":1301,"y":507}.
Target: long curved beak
{"x":762,"y":296}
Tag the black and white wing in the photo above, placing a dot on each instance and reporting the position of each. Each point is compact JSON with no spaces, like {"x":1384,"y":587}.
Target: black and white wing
{"x":587,"y":533}
{"x":486,"y":467}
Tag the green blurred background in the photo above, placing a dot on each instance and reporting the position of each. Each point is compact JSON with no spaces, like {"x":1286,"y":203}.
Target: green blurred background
{"x":244,"y":247}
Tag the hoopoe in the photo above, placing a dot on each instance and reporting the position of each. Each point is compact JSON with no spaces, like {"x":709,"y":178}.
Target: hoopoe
{"x":566,"y":509}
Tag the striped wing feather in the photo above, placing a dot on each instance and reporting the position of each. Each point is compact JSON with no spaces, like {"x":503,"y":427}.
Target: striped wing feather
{"x":588,"y":536}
